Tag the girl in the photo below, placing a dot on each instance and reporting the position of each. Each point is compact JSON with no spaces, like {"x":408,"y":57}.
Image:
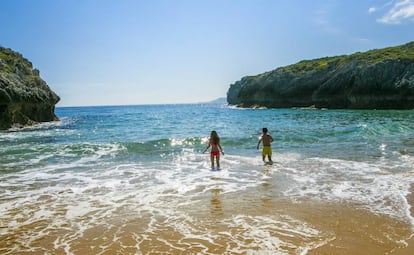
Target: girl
{"x":214,"y":142}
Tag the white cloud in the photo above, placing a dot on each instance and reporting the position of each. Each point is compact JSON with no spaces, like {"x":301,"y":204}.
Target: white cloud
{"x":401,"y":10}
{"x":372,"y":9}
{"x":322,"y":20}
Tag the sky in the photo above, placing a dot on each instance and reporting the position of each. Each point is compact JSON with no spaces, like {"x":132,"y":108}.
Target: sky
{"x":122,"y":52}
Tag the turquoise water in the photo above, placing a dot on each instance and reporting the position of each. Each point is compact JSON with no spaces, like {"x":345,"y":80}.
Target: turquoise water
{"x":155,"y":132}
{"x":97,"y":161}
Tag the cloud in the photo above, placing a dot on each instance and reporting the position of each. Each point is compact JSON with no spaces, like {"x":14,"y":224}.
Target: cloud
{"x":401,"y":10}
{"x":372,"y":10}
{"x":322,"y":20}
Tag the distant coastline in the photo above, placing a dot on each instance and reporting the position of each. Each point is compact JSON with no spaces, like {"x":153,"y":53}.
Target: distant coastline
{"x":220,"y":100}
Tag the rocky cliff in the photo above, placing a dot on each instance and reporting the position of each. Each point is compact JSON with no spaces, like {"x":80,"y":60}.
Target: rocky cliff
{"x":376,"y":79}
{"x":25,"y":98}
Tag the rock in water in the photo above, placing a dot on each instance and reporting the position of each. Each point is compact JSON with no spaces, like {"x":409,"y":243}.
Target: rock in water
{"x":25,"y":98}
{"x":376,"y":79}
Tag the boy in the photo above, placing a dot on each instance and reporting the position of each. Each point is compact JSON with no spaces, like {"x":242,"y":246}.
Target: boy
{"x":267,"y":149}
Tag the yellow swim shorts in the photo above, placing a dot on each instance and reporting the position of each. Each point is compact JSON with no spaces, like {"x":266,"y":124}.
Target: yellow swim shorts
{"x":267,"y":150}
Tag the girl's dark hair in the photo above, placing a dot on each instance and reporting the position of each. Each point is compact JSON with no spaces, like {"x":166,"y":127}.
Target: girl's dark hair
{"x":215,"y":139}
{"x":264,"y":130}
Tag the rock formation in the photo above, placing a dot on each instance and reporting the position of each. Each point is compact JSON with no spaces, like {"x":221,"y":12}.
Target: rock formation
{"x":25,"y":98}
{"x":376,"y":79}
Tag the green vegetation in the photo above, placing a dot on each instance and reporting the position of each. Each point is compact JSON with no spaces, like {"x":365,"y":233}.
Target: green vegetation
{"x":12,"y":63}
{"x":9,"y":60}
{"x":403,"y":52}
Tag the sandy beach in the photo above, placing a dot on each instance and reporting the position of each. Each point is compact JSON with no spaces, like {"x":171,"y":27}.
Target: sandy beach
{"x":359,"y":232}
{"x":222,"y":223}
{"x":409,"y":248}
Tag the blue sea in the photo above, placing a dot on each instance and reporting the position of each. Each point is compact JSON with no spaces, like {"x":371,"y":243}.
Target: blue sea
{"x":134,"y":180}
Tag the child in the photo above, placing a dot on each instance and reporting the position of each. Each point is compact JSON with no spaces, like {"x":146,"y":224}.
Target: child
{"x":214,"y":142}
{"x":267,"y":149}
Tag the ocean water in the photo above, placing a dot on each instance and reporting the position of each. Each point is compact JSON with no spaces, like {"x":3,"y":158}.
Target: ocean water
{"x":133,"y":179}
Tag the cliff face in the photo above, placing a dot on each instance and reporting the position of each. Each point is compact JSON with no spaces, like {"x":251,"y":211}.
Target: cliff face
{"x":25,"y":98}
{"x":376,"y":79}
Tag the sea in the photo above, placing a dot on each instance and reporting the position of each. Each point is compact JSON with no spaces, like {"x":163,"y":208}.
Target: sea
{"x":134,"y":180}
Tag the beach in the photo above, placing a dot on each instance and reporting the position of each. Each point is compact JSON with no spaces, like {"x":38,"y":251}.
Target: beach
{"x":247,"y":223}
{"x":133,"y":180}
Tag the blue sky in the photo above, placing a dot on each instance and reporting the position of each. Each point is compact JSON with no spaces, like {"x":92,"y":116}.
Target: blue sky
{"x":117,"y":52}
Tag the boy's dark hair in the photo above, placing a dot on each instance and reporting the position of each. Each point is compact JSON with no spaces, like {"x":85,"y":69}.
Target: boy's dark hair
{"x":264,"y":130}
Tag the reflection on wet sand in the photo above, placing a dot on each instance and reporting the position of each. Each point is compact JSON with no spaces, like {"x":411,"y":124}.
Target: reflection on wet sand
{"x":216,"y":207}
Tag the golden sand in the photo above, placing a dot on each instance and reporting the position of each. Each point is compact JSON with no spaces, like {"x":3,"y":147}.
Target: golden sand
{"x":354,"y":230}
{"x":347,"y":228}
{"x":409,"y":248}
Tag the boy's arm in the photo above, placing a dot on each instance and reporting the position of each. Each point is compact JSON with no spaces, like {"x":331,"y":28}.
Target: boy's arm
{"x":260,"y":140}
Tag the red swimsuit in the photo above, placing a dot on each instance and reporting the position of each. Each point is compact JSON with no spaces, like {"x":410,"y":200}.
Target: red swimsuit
{"x":215,"y":153}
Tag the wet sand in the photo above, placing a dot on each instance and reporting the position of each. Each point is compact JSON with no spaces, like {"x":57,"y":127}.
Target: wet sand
{"x":226,"y":224}
{"x":348,"y":228}
{"x":359,"y":232}
{"x":353,"y":230}
{"x":409,"y":248}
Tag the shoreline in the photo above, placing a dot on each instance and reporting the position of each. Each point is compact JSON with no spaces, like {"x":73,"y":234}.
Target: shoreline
{"x":255,"y":220}
{"x":409,"y":249}
{"x":348,"y":228}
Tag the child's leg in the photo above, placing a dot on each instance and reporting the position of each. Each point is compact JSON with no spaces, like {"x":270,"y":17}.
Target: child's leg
{"x":218,"y":161}
{"x":212,"y":160}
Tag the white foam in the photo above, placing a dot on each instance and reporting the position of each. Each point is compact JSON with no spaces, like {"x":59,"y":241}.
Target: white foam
{"x":78,"y":200}
{"x":377,"y":186}
{"x":37,"y":126}
{"x":273,"y":233}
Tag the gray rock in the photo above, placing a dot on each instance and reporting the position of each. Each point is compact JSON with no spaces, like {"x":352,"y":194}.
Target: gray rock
{"x":25,"y":98}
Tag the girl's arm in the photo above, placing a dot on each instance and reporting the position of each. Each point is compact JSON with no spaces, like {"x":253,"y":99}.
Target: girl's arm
{"x":208,"y":146}
{"x":221,"y":149}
